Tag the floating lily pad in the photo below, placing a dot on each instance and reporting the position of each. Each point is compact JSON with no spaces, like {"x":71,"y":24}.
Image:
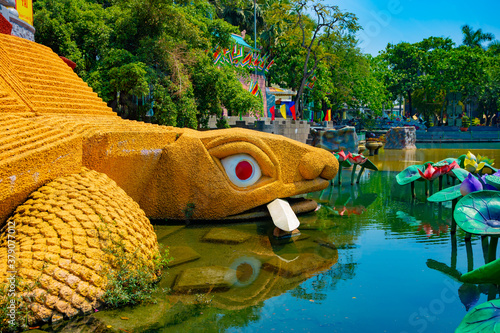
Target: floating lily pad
{"x":460,"y":173}
{"x":479,"y":213}
{"x":447,"y":194}
{"x":493,"y":181}
{"x":410,"y":174}
{"x":489,"y":273}
{"x":482,"y":318}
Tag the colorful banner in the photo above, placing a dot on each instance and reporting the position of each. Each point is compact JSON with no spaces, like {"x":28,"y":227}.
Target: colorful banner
{"x":271,"y":110}
{"x":236,"y":56}
{"x":328,"y":116}
{"x":254,"y":88}
{"x":292,"y":110}
{"x":283,"y":110}
{"x":25,"y":10}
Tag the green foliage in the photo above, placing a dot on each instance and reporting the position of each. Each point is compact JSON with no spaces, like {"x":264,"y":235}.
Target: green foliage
{"x":465,"y":121}
{"x":143,"y":54}
{"x":15,"y":312}
{"x":131,"y":279}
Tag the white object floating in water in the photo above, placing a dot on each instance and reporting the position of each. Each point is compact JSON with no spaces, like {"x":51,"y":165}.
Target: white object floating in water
{"x":283,"y":215}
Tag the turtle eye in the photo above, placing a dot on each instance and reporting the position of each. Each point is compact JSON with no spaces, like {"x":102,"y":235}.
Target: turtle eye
{"x":242,"y":169}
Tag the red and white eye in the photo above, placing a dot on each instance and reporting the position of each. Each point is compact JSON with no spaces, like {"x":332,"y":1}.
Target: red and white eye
{"x":242,"y":169}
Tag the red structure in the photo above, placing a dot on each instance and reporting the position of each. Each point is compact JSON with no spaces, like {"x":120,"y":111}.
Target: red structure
{"x":5,"y":26}
{"x":68,"y":62}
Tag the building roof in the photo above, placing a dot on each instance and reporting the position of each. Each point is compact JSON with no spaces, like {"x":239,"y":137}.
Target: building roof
{"x":239,"y":40}
{"x":281,"y":91}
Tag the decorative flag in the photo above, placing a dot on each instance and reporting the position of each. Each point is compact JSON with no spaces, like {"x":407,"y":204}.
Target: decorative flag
{"x":272,"y":112}
{"x":292,"y":109}
{"x":328,"y":116}
{"x":217,"y":55}
{"x":322,"y":115}
{"x":263,"y":62}
{"x":237,"y":52}
{"x":256,"y":60}
{"x":247,"y":59}
{"x":283,"y":110}
{"x":254,"y":90}
{"x":269,"y":65}
{"x":310,"y":85}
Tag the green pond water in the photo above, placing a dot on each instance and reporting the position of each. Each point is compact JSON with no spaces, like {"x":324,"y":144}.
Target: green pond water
{"x":369,"y":260}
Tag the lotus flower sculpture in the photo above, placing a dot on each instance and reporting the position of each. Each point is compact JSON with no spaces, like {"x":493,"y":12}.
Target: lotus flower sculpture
{"x":480,"y":165}
{"x":430,"y":172}
{"x":469,"y":184}
{"x":359,"y":159}
{"x":343,"y":162}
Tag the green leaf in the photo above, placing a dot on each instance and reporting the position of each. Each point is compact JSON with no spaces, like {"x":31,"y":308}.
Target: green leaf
{"x":479,"y":213}
{"x":346,"y":164}
{"x":460,"y":173}
{"x":448,"y":161}
{"x":489,"y":273}
{"x":493,"y":181}
{"x":369,"y":165}
{"x":410,"y":174}
{"x":447,"y":194}
{"x":482,"y":318}
{"x":461,"y":160}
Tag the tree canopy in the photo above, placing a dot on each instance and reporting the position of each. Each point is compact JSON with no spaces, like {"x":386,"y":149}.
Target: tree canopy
{"x":142,"y":55}
{"x":157,"y":55}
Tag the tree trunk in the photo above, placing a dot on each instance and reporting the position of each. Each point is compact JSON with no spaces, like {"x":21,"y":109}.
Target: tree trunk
{"x":409,"y":104}
{"x":442,"y":111}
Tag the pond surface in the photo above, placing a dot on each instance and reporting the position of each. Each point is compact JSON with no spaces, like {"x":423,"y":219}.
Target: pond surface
{"x":369,"y":260}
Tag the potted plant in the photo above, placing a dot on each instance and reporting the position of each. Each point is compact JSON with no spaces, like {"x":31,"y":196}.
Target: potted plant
{"x":465,"y":123}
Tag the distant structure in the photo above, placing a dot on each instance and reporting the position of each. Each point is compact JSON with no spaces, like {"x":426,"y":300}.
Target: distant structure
{"x":16,"y":18}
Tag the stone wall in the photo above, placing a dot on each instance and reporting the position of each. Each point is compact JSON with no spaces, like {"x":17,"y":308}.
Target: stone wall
{"x":293,"y":129}
{"x":401,"y":138}
{"x":486,"y":134}
{"x":335,"y":140}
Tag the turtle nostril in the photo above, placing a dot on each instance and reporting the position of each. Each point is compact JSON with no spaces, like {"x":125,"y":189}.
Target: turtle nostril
{"x":318,"y":163}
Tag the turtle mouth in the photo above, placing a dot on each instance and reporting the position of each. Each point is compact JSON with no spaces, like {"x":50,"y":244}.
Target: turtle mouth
{"x":299,"y":206}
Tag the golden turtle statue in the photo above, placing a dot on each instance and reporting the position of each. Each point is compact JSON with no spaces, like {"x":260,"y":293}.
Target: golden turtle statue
{"x":74,"y":175}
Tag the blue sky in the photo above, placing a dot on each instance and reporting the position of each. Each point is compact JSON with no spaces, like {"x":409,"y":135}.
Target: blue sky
{"x":394,"y":21}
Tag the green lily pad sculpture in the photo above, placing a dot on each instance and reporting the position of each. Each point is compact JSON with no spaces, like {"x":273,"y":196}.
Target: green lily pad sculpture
{"x":449,"y":160}
{"x":482,"y":318}
{"x":489,"y":273}
{"x":447,"y":194}
{"x":479,"y":213}
{"x":409,"y":175}
{"x":460,"y":173}
{"x":493,"y":181}
{"x":343,"y":163}
{"x":365,"y":163}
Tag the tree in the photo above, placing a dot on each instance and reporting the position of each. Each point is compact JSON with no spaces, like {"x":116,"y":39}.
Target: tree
{"x":405,"y":63}
{"x":475,"y":38}
{"x":327,"y":22}
{"x":143,"y":55}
